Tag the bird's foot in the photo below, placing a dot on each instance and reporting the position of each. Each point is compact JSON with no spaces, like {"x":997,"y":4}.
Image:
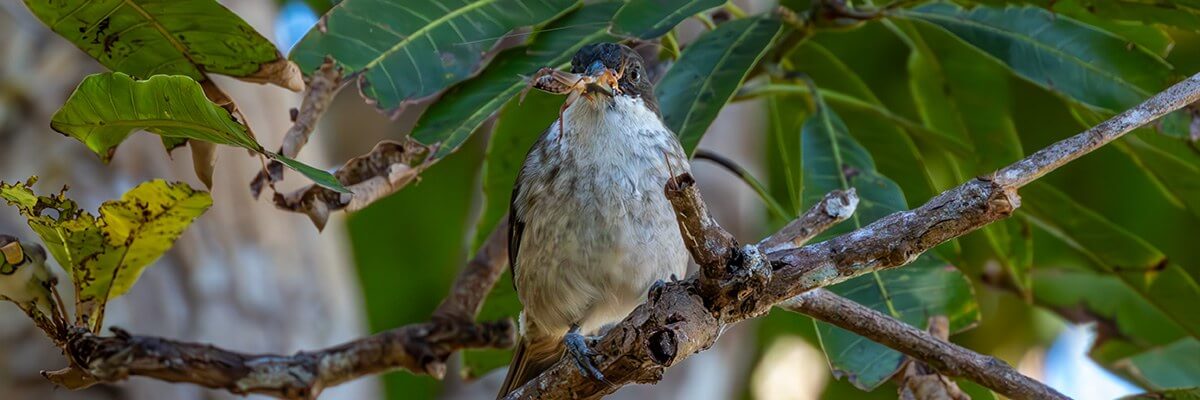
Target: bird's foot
{"x":584,"y":357}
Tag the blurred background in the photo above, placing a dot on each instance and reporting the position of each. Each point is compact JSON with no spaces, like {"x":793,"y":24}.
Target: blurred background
{"x":251,"y":278}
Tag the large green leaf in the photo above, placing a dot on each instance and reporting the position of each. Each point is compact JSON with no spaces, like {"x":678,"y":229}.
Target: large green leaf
{"x":1116,"y":252}
{"x":106,"y":108}
{"x":1087,"y":64}
{"x":105,"y":255}
{"x":960,"y":92}
{"x":929,"y":286}
{"x":1138,"y":339}
{"x":1179,"y":14}
{"x":172,"y":37}
{"x":451,"y":120}
{"x":403,"y":50}
{"x":709,"y":72}
{"x":649,"y":19}
{"x":1192,"y":393}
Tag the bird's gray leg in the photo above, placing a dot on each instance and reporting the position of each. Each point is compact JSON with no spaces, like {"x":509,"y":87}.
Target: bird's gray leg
{"x":583,"y":355}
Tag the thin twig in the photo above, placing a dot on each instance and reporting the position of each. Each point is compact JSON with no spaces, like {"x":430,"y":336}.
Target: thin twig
{"x":676,"y":322}
{"x":318,"y":95}
{"x":947,"y":358}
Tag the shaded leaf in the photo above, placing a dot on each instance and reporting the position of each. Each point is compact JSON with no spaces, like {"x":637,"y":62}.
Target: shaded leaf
{"x":928,"y":287}
{"x":105,"y":255}
{"x":708,"y":73}
{"x":1146,"y":35}
{"x":1179,"y":14}
{"x":1173,"y":394}
{"x":960,"y":92}
{"x":450,"y":121}
{"x":106,"y":108}
{"x":1087,"y":64}
{"x":179,"y":37}
{"x":1117,"y":252}
{"x":654,"y":18}
{"x":413,"y":49}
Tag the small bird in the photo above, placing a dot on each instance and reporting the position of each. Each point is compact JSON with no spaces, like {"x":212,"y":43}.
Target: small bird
{"x":591,"y":230}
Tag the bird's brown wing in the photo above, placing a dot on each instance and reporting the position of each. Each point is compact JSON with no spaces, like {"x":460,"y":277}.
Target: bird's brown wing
{"x":516,"y":227}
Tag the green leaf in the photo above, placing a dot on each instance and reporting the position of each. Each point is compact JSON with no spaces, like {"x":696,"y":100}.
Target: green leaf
{"x":179,"y":37}
{"x":450,"y":121}
{"x":958,"y":91}
{"x":1085,"y":63}
{"x":106,"y":108}
{"x":709,"y":72}
{"x":1116,"y":252}
{"x":651,"y":19}
{"x":1148,"y":36}
{"x":105,"y":255}
{"x":408,"y":50}
{"x":1138,"y":338}
{"x":1179,"y":14}
{"x":928,"y":287}
{"x":1174,"y":394}
{"x":318,"y":176}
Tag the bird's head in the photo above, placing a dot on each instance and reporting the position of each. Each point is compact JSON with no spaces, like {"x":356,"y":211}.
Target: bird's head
{"x":616,"y":70}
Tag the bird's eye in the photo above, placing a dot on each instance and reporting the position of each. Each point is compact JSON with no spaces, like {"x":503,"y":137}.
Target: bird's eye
{"x":635,"y":75}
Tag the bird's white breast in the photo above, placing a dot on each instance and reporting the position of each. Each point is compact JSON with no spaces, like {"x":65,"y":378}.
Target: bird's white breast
{"x":598,"y":229}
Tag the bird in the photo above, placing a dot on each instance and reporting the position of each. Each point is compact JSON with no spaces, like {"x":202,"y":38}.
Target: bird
{"x":590,"y":229}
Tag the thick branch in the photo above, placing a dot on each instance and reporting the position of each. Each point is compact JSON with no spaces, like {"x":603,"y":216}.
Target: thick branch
{"x":421,"y":348}
{"x":676,"y":322}
{"x":947,"y":358}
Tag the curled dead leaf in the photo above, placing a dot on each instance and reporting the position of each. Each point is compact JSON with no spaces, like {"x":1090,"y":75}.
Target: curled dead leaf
{"x":281,"y":72}
{"x":387,"y":168}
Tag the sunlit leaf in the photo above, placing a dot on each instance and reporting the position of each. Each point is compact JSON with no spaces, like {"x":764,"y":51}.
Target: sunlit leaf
{"x":177,"y":37}
{"x":653,"y":18}
{"x":412,"y":49}
{"x":105,"y":255}
{"x":106,"y":108}
{"x":457,"y":114}
{"x":929,"y":286}
{"x":708,"y":73}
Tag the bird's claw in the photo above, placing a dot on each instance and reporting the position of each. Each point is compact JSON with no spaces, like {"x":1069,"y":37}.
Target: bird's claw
{"x":583,"y":355}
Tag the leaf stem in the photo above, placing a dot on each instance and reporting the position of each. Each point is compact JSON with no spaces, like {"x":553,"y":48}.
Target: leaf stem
{"x":749,"y":179}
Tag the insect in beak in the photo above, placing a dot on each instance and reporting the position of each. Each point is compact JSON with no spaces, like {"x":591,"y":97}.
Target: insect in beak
{"x":601,"y":80}
{"x":13,"y":254}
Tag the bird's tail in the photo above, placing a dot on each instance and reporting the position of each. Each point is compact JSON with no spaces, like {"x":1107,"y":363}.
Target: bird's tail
{"x":531,"y":357}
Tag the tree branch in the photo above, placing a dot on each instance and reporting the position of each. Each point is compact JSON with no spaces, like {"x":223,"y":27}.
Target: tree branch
{"x":420,"y":348}
{"x":676,"y":321}
{"x":947,"y":358}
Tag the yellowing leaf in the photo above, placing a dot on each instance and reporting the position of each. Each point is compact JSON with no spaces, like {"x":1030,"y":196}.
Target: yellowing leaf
{"x":106,"y":255}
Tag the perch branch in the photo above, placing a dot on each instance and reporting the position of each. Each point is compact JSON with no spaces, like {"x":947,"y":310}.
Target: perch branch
{"x":945,"y":357}
{"x":421,"y":348}
{"x":683,"y":318}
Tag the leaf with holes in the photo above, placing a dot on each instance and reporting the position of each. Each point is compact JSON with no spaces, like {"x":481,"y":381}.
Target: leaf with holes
{"x":649,"y":19}
{"x":175,"y":37}
{"x":404,"y":50}
{"x":708,"y":73}
{"x":457,"y":114}
{"x":105,"y":255}
{"x":833,"y":160}
{"x":106,"y":108}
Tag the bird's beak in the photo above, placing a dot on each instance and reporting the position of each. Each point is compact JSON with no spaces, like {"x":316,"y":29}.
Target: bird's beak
{"x":603,"y":79}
